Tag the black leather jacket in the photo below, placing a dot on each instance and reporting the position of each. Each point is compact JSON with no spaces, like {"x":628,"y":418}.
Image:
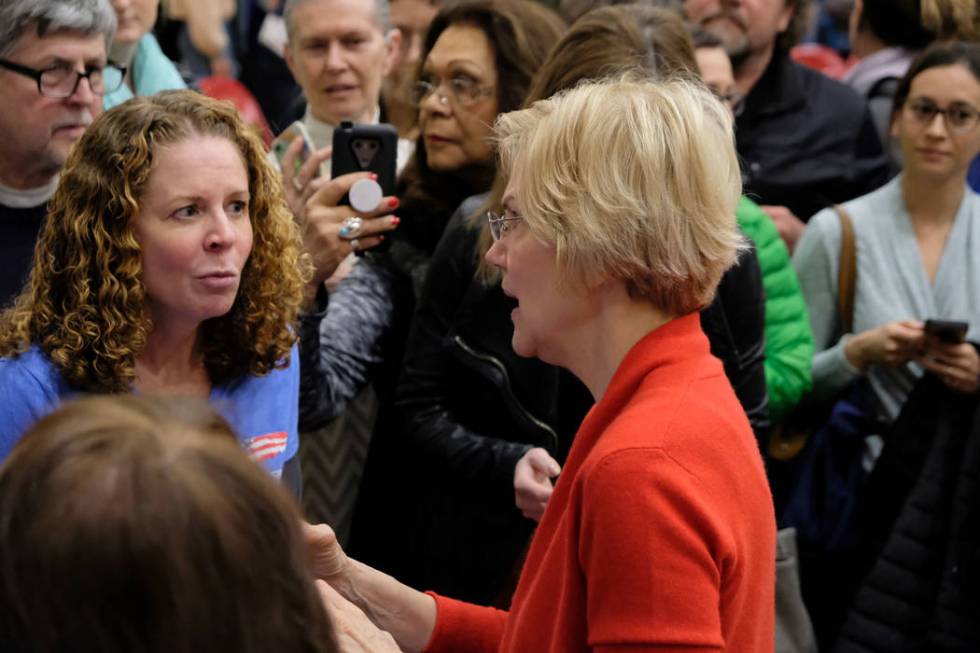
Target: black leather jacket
{"x":471,"y":408}
{"x":735,"y":325}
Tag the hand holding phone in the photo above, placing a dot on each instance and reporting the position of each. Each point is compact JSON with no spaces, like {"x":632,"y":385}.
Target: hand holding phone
{"x":366,"y":148}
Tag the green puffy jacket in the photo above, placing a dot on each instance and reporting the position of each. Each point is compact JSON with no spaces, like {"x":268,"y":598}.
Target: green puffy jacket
{"x":789,"y":341}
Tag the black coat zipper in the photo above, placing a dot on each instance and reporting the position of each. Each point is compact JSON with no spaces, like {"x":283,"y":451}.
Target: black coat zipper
{"x":514,"y":403}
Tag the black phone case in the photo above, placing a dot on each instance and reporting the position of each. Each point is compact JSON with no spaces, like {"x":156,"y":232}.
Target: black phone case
{"x":950,"y":331}
{"x":366,"y":148}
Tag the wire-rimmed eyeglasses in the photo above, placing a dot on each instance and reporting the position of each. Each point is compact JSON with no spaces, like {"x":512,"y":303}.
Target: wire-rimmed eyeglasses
{"x":500,"y":224}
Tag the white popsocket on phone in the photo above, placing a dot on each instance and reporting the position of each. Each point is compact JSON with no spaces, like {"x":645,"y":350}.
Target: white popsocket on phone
{"x":365,"y":195}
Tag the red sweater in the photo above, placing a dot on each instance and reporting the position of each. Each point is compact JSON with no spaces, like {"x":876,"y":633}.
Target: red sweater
{"x":660,"y":534}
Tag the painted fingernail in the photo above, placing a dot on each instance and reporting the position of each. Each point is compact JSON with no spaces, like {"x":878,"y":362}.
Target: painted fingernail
{"x":393,"y":202}
{"x":374,"y":176}
{"x":395,"y":220}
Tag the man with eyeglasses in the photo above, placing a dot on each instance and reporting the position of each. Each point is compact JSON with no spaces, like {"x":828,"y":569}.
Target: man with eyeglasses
{"x":52,"y":61}
{"x":805,"y":140}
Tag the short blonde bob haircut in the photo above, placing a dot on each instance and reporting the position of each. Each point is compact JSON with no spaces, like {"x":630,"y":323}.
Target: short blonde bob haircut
{"x":85,"y":304}
{"x":632,"y":180}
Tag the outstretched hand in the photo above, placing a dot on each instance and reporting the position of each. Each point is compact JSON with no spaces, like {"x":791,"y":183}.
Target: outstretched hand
{"x":355,"y":633}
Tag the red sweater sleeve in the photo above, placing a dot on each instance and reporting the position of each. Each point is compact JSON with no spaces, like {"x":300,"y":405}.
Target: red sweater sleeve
{"x":653,"y":551}
{"x":465,"y":627}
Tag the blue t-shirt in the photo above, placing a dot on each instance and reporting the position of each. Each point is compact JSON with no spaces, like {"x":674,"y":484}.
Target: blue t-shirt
{"x":263,"y":410}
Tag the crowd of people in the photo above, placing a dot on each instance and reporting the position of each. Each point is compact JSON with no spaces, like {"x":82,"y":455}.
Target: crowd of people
{"x":647,"y":302}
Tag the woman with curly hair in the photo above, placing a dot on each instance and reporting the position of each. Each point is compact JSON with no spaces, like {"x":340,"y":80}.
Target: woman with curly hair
{"x":170,"y":265}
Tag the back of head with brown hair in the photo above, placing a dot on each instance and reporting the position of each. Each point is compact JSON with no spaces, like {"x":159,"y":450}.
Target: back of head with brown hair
{"x":129,"y":524}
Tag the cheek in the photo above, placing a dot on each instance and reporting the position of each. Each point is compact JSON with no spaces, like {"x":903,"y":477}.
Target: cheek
{"x":245,"y":241}
{"x":148,"y":14}
{"x":476,"y":135}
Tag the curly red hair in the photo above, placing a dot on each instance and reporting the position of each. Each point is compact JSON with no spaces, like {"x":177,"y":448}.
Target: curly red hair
{"x":85,"y":303}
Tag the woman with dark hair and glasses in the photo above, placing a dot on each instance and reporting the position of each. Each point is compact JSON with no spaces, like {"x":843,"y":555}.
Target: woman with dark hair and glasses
{"x":915,"y":238}
{"x":916,"y":241}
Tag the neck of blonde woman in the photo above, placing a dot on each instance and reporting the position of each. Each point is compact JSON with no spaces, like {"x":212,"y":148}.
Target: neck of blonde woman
{"x":596,"y":350}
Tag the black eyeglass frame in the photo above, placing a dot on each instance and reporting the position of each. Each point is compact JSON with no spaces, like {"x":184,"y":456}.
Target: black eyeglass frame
{"x":37,"y":75}
{"x":924,"y":112}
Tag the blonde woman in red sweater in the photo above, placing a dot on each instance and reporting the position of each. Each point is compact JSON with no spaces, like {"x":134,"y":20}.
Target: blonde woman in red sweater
{"x":659,"y":535}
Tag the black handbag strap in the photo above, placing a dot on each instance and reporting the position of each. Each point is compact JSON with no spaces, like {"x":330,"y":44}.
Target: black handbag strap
{"x":847,"y":271}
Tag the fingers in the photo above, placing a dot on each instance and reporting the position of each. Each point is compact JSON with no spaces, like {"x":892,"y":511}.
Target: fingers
{"x":370,"y":233}
{"x":311,"y":167}
{"x":374,"y":227}
{"x":532,"y":482}
{"x":542,"y":462}
{"x":334,"y":190}
{"x":354,"y":631}
{"x":907,"y":331}
{"x":950,"y":368}
{"x":532,"y":508}
{"x":327,"y":558}
{"x":297,"y":179}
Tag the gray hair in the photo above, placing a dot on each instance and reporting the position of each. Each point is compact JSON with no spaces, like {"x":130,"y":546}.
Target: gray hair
{"x":87,"y":17}
{"x":382,"y":15}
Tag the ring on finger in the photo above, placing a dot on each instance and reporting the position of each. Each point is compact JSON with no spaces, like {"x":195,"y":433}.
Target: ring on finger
{"x":355,"y":244}
{"x":298,"y":186}
{"x":351,"y":227}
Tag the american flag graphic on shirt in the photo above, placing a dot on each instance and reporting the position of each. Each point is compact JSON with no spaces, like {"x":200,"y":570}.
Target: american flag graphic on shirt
{"x":270,"y":445}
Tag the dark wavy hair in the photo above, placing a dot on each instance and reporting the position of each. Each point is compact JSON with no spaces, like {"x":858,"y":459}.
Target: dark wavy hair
{"x":85,"y":303}
{"x":130,"y":523}
{"x":521,"y":32}
{"x":947,"y":53}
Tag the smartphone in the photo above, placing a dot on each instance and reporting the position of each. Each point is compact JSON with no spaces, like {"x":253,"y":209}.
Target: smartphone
{"x":366,"y":148}
{"x":949,"y":331}
{"x":286,"y":138}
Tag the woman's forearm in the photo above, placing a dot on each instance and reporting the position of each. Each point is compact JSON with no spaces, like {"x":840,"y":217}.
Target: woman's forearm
{"x":406,"y":613}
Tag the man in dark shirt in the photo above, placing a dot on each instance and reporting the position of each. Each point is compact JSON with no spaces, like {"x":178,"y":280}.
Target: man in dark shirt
{"x":805,"y":140}
{"x":52,"y":53}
